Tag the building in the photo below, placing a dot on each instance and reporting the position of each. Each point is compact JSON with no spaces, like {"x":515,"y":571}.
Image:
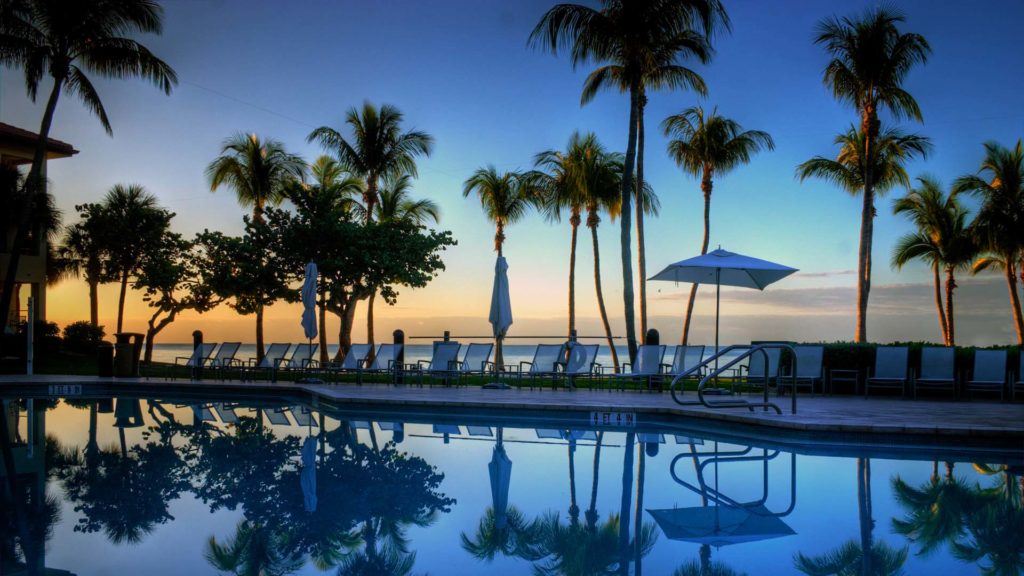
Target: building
{"x":17,"y":147}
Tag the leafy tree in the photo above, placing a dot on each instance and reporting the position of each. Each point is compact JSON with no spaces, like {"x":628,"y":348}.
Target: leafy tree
{"x":248,"y":270}
{"x":82,"y":336}
{"x":258,"y":171}
{"x":999,"y":225}
{"x":942,"y":239}
{"x":81,"y":247}
{"x":172,"y":282}
{"x":64,"y":40}
{"x":870,"y":58}
{"x":378,"y":148}
{"x":706,"y":145}
{"x":641,"y":41}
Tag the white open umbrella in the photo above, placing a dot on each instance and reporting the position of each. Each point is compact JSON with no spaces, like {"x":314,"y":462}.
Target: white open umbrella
{"x":723,"y":268}
{"x":501,"y":307}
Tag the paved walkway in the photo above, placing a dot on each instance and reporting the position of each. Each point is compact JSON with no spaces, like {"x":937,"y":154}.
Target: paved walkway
{"x":977,"y":419}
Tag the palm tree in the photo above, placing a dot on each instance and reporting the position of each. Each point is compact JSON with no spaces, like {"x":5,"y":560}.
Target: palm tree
{"x":258,"y":170}
{"x":505,"y":198}
{"x":999,"y":225}
{"x":64,"y":40}
{"x":603,"y":175}
{"x":395,"y":204}
{"x":255,"y":550}
{"x":636,"y":37}
{"x":378,"y":147}
{"x":81,"y":247}
{"x":705,"y":145}
{"x":942,"y":240}
{"x":935,"y":511}
{"x":132,"y":222}
{"x":888,"y":154}
{"x":870,"y":58}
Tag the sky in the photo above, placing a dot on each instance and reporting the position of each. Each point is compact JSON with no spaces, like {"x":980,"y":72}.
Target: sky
{"x":464,"y":72}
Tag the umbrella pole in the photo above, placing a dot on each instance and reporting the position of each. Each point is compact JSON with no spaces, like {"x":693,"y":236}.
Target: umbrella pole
{"x":718,"y":299}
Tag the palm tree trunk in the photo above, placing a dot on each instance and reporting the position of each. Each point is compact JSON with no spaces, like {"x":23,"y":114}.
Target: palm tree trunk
{"x":574,"y":509}
{"x":592,"y":509}
{"x":1011,"y":282}
{"x":499,"y":240}
{"x":938,"y":303}
{"x":641,"y":253}
{"x":600,"y":294}
{"x":867,"y":524}
{"x":627,"y":223}
{"x":638,"y":518}
{"x":574,"y":221}
{"x":94,"y":302}
{"x":34,"y":184}
{"x":869,"y":125}
{"x":950,"y":287}
{"x":259,"y":334}
{"x":369,"y":318}
{"x":120,"y":301}
{"x":370,"y":196}
{"x":624,"y":504}
{"x":705,"y":186}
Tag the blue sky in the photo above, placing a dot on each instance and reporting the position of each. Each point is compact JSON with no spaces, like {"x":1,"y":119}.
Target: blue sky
{"x":463,"y":72}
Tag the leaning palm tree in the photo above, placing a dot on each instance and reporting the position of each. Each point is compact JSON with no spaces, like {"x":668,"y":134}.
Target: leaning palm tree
{"x":378,"y":147}
{"x":63,"y":40}
{"x":891,"y":150}
{"x":870,"y":58}
{"x":999,"y":225}
{"x":395,"y":204}
{"x":630,"y":35}
{"x":258,"y":170}
{"x":505,"y":198}
{"x":941,"y":239}
{"x":707,"y":145}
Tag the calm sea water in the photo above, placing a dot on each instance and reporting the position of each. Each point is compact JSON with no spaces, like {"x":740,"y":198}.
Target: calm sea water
{"x":169,"y":487}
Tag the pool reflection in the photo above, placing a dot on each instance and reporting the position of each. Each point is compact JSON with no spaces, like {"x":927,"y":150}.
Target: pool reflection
{"x":271,"y":487}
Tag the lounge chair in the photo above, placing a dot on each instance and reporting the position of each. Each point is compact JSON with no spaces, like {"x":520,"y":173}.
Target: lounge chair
{"x":647,"y":366}
{"x":226,"y":412}
{"x":202,"y":413}
{"x":270,"y":362}
{"x":354,"y":361}
{"x":477,"y":360}
{"x":443,"y":363}
{"x":989,"y":372}
{"x":385,"y":361}
{"x":480,"y":431}
{"x":543,"y":364}
{"x":684,"y":359}
{"x":890,"y":369}
{"x":809,"y":369}
{"x":302,"y":358}
{"x":225,"y":359}
{"x":758,"y":374}
{"x":1018,"y":384}
{"x":303,"y":416}
{"x":199,"y":358}
{"x":581,"y":363}
{"x":277,"y":417}
{"x":937,"y":371}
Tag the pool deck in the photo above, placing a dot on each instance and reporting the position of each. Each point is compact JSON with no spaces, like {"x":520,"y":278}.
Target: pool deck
{"x":835,"y":414}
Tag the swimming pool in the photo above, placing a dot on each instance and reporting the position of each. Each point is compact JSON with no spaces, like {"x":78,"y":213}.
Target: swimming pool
{"x":224,"y":484}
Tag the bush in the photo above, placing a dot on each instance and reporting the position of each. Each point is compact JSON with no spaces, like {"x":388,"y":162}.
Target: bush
{"x":82,"y":337}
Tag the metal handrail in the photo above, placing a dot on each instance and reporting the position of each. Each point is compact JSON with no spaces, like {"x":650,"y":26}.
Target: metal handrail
{"x":750,"y":350}
{"x":719,"y":498}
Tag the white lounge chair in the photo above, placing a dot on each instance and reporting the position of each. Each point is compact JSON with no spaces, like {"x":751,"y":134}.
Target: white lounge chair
{"x":200,"y":357}
{"x":302,"y":358}
{"x":809,"y":368}
{"x":226,"y":412}
{"x":890,"y":369}
{"x":385,"y":361}
{"x":684,"y":359}
{"x":581,"y":362}
{"x":937,"y":372}
{"x":270,"y":362}
{"x":647,"y":367}
{"x":354,"y":361}
{"x":303,"y":416}
{"x":277,"y":417}
{"x":443,"y":363}
{"x":545,"y":357}
{"x":477,"y":359}
{"x":225,"y":359}
{"x":989,"y":372}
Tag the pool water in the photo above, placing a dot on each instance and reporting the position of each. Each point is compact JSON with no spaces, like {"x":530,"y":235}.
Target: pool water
{"x":272,"y":486}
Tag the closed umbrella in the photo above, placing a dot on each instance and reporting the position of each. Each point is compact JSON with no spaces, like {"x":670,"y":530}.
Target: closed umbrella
{"x":309,"y":310}
{"x":723,"y":268}
{"x":307,"y":478}
{"x":500,"y":471}
{"x":500,"y":316}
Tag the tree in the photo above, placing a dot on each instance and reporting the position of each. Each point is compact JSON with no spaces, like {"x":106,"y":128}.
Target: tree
{"x":999,"y":224}
{"x":255,"y":550}
{"x":378,"y":148}
{"x":132,"y":225}
{"x":888,"y":154}
{"x":870,"y":58}
{"x":81,"y":248}
{"x":63,"y":40}
{"x":935,"y":511}
{"x":942,"y":240}
{"x":636,"y":37}
{"x":172,"y":283}
{"x":258,"y":171}
{"x":706,"y":145}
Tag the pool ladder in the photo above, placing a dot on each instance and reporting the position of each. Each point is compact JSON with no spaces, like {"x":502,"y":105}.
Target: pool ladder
{"x":748,"y":351}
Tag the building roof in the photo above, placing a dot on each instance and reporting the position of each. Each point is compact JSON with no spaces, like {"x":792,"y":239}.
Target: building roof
{"x":14,"y":137}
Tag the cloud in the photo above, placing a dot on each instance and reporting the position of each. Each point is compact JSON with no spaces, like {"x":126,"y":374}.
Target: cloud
{"x":825,"y":274}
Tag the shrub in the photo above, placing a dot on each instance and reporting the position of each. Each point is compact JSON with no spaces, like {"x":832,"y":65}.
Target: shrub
{"x":82,"y":337}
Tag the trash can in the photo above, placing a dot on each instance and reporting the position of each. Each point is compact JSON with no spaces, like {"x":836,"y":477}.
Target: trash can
{"x":128,"y":350}
{"x":105,"y":360}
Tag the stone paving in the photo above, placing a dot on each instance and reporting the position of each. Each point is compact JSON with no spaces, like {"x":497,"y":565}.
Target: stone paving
{"x":943,"y":418}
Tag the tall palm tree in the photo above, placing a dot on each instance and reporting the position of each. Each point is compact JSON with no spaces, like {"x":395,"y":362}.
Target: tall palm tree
{"x":942,"y":239}
{"x":935,"y":511}
{"x":505,"y":198}
{"x":258,"y":170}
{"x":999,"y":225}
{"x":886,"y":157}
{"x":706,"y":145}
{"x":870,"y":58}
{"x":133,"y":223}
{"x":630,"y":35}
{"x":395,"y":204}
{"x":378,"y":147}
{"x":64,"y":40}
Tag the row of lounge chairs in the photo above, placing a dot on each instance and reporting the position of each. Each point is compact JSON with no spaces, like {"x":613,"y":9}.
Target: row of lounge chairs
{"x":938,"y":372}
